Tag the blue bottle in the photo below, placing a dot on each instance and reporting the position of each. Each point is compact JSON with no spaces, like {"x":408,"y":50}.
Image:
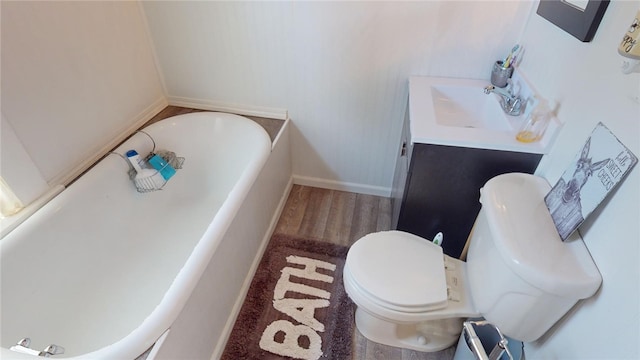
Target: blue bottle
{"x":160,"y":164}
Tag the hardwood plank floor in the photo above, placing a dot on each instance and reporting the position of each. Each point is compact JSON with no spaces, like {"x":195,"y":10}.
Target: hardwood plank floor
{"x":342,"y":218}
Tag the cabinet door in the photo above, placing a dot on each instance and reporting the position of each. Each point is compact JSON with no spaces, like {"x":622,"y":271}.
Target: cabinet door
{"x":443,"y":189}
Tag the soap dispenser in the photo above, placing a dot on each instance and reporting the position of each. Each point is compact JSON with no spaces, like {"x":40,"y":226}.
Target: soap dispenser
{"x":536,"y":123}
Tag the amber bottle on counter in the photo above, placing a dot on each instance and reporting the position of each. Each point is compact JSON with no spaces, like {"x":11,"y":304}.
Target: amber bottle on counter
{"x":536,"y":123}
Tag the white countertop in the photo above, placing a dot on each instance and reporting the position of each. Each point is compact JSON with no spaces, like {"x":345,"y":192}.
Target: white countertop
{"x":425,"y":129}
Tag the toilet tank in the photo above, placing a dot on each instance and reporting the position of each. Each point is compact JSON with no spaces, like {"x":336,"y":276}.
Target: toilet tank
{"x":523,"y":277}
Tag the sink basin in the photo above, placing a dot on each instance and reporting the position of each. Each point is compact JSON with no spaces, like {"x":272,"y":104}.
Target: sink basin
{"x":469,"y":107}
{"x":457,"y":112}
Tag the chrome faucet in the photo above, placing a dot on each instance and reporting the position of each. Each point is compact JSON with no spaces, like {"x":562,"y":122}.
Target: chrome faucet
{"x":510,"y":103}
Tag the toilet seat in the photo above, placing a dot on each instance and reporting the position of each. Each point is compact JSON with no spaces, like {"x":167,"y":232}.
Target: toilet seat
{"x":404,"y":295}
{"x":380,"y":265}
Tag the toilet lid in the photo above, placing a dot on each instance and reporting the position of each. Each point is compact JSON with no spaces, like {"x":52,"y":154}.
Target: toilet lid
{"x":399,"y":270}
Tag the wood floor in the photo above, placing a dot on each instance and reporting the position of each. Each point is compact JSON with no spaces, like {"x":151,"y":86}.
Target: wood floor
{"x":342,"y":218}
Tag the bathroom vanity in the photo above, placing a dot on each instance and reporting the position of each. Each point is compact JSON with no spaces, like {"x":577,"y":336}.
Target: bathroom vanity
{"x":454,"y":139}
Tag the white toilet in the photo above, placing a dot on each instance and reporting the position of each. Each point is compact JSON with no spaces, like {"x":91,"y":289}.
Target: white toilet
{"x":519,"y":275}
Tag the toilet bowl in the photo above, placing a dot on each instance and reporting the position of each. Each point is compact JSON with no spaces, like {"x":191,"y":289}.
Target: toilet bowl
{"x":426,"y":316}
{"x":519,"y":275}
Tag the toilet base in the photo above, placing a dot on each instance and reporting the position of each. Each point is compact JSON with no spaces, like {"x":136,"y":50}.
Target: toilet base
{"x":428,"y":336}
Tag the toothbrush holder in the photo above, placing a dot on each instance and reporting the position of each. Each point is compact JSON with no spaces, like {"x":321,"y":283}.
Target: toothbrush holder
{"x":500,"y":74}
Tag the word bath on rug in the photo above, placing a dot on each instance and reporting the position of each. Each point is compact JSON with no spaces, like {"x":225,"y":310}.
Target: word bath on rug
{"x":302,"y":310}
{"x":296,"y":306}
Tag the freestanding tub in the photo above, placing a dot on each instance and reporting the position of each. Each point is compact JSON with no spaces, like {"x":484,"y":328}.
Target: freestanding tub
{"x":104,"y":271}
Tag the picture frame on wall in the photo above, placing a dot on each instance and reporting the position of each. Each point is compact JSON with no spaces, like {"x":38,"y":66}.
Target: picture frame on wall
{"x":579,"y":18}
{"x":602,"y":163}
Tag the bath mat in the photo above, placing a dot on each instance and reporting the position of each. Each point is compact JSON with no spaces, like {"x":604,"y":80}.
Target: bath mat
{"x":296,"y":307}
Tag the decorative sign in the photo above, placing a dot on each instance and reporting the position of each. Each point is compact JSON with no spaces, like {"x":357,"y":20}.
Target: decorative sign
{"x":628,"y":46}
{"x":601,"y":164}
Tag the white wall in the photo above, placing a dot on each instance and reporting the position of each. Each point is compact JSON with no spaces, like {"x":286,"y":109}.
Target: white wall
{"x":75,"y":76}
{"x":340,"y":68}
{"x":17,"y":167}
{"x":586,"y":80}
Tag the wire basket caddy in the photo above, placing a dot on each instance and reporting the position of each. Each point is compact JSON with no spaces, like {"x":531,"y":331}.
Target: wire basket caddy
{"x":153,"y":180}
{"x":152,"y":173}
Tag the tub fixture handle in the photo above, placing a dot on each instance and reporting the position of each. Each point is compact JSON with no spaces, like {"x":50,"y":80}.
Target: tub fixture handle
{"x":52,"y":349}
{"x":24,"y":342}
{"x":22,"y":346}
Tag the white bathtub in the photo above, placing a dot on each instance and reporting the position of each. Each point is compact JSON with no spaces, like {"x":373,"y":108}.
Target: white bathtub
{"x":104,"y":271}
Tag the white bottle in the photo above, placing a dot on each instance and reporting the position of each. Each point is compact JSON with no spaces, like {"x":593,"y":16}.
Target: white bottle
{"x":135,"y":160}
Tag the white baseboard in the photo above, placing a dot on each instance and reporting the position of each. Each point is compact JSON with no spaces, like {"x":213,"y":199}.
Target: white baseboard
{"x":342,"y":186}
{"x":249,"y":110}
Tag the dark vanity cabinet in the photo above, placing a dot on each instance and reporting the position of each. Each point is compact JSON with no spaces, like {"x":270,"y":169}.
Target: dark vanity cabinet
{"x":441,"y":189}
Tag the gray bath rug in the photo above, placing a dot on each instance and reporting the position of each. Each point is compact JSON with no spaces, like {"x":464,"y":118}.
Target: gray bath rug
{"x":296,"y":307}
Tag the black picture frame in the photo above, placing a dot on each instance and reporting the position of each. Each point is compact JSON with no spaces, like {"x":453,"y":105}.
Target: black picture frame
{"x":580,"y":23}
